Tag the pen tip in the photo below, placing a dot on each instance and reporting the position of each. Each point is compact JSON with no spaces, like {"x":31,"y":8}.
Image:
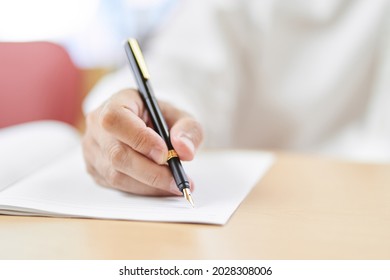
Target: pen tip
{"x":188,"y":197}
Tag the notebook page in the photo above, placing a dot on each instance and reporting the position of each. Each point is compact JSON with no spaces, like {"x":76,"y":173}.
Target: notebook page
{"x":26,"y":147}
{"x":222,"y":179}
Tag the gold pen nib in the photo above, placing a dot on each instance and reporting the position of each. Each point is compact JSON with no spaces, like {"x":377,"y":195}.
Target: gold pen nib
{"x":187,"y":195}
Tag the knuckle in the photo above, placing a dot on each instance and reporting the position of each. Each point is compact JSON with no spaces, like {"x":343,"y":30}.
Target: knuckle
{"x":140,"y":139}
{"x":154,"y":180}
{"x":117,"y":155}
{"x":108,"y":118}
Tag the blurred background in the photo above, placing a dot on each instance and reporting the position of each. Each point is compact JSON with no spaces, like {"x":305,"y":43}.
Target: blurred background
{"x":325,"y":59}
{"x":90,"y":31}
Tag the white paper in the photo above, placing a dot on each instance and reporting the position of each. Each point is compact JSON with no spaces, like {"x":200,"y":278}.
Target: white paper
{"x":27,"y":147}
{"x":64,"y":188}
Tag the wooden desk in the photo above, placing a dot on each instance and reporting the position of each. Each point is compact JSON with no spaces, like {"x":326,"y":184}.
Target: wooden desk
{"x":305,"y":208}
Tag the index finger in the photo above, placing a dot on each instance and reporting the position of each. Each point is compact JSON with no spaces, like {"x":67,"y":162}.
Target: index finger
{"x":124,"y":117}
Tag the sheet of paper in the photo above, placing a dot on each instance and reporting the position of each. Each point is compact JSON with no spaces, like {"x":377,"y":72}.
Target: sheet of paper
{"x":27,"y":147}
{"x":223,"y":179}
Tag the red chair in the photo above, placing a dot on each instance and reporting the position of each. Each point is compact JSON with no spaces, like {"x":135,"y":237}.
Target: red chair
{"x":38,"y":81}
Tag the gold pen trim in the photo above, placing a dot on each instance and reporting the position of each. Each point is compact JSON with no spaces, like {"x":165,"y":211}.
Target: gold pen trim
{"x":139,"y":57}
{"x":172,"y":154}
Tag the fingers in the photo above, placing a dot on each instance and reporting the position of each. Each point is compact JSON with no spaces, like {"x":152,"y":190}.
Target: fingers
{"x":122,"y":168}
{"x":186,"y":133}
{"x":127,"y":161}
{"x":128,"y":184}
{"x":122,"y":152}
{"x":124,"y":119}
{"x":186,"y":137}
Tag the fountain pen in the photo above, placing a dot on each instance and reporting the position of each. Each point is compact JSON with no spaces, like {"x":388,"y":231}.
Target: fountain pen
{"x":142,"y":77}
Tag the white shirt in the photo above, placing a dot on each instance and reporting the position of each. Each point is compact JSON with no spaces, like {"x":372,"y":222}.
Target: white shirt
{"x":301,"y":75}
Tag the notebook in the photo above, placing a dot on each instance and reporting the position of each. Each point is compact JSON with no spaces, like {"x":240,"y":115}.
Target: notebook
{"x":57,"y":184}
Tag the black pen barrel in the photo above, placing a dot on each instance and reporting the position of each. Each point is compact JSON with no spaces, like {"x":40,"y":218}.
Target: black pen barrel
{"x":161,"y":128}
{"x":178,"y":173}
{"x":156,"y":116}
{"x":157,"y":119}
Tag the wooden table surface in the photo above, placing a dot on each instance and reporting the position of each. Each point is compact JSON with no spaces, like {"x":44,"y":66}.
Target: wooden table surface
{"x":306,"y":207}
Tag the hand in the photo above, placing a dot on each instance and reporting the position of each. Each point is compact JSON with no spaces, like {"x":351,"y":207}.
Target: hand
{"x":122,"y":151}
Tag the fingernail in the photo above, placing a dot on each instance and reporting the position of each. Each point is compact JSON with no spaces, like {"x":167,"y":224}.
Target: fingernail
{"x":158,"y":156}
{"x":174,"y":189}
{"x":187,"y":141}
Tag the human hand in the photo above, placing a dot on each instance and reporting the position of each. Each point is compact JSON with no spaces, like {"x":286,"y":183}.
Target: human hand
{"x":122,"y":151}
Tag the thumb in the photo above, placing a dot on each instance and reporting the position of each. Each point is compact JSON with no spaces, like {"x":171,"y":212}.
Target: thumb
{"x":185,"y":132}
{"x":186,"y":137}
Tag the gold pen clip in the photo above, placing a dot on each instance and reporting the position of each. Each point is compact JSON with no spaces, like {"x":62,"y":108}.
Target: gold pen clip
{"x":139,"y":57}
